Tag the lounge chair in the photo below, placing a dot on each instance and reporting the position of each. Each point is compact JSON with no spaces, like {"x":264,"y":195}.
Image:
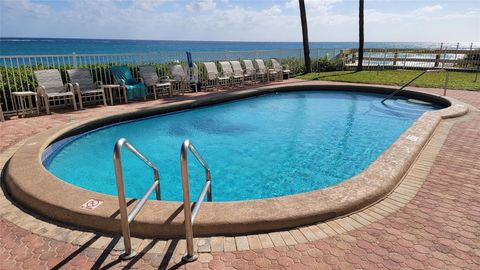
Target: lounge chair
{"x":149,"y":77}
{"x":51,"y":86}
{"x":82,"y":82}
{"x":179,"y":78}
{"x":213,"y":78}
{"x":192,"y":76}
{"x":278,"y":67}
{"x":228,"y":71}
{"x":123,"y":77}
{"x":238,"y":71}
{"x":250,"y":70}
{"x":271,"y":73}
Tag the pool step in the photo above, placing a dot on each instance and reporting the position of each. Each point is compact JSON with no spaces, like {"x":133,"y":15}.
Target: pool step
{"x":399,"y":108}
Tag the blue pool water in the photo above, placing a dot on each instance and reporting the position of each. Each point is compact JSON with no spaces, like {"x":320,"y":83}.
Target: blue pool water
{"x":260,"y":147}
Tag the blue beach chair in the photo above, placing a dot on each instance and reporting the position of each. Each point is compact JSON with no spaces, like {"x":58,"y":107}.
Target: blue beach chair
{"x":123,"y":76}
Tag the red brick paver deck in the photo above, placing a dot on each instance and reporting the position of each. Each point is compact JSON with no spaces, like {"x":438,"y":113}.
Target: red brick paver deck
{"x":438,"y":229}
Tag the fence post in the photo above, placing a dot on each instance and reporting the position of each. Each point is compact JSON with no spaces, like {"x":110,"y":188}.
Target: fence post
{"x":395,"y":56}
{"x":444,"y":56}
{"x":74,"y":55}
{"x":437,"y":59}
{"x":476,"y":74}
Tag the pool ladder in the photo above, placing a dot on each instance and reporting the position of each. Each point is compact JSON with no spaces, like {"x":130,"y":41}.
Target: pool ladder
{"x":418,"y":76}
{"x":190,"y":212}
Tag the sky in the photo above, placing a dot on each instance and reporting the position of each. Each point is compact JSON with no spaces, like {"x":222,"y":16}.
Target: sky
{"x":241,"y":20}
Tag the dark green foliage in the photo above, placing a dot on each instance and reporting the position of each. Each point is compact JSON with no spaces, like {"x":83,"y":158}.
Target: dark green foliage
{"x":324,"y":64}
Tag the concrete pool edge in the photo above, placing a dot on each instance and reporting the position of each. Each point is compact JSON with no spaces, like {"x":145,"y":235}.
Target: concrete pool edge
{"x":60,"y":201}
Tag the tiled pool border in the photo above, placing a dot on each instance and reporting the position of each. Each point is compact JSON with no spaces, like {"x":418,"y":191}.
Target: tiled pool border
{"x":62,"y":202}
{"x":399,"y":197}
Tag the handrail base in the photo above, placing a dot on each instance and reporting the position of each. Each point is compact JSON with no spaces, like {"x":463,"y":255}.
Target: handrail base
{"x":187,"y":258}
{"x":129,"y":256}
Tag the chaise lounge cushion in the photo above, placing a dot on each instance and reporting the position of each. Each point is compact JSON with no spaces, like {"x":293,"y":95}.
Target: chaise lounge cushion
{"x":135,"y":89}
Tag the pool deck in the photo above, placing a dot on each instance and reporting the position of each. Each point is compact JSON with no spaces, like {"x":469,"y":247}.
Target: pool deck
{"x":432,"y":220}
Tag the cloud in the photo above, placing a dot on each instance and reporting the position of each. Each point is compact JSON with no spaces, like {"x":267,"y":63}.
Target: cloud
{"x":149,"y":5}
{"x":328,"y":20}
{"x":25,"y":7}
{"x":427,"y":10}
{"x":321,"y":6}
{"x":274,"y":10}
{"x":202,"y":5}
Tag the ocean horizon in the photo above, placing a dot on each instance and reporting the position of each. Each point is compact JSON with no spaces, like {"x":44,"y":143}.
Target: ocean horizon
{"x":40,"y":46}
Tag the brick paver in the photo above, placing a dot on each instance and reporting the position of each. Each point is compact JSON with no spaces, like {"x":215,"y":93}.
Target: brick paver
{"x":438,"y":229}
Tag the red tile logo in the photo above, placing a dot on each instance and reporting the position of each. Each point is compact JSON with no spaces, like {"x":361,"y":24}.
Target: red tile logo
{"x":91,"y":204}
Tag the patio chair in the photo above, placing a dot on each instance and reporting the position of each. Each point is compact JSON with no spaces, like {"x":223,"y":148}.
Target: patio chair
{"x":228,"y":71}
{"x":271,"y":73}
{"x":192,"y":76}
{"x":123,"y":77}
{"x":179,"y":78}
{"x":278,"y":67}
{"x":51,"y":87}
{"x":214,"y":77}
{"x":149,"y":76}
{"x":82,"y":83}
{"x":238,"y":71}
{"x":251,"y":71}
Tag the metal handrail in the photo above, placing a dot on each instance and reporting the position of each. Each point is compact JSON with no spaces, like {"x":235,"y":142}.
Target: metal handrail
{"x":125,"y":217}
{"x":418,"y":76}
{"x":191,"y":212}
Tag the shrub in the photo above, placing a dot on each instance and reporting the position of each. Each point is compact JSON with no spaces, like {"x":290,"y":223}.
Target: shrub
{"x":326,"y":64}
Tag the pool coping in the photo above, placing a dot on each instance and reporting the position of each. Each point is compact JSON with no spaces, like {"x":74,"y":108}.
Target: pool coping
{"x":35,"y":188}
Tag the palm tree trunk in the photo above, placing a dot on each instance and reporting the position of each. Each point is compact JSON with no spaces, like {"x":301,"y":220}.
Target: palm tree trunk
{"x":360,"y":36}
{"x":306,"y":47}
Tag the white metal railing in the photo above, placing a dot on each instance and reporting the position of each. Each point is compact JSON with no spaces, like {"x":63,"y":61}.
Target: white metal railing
{"x":189,"y":211}
{"x":16,"y":71}
{"x":447,"y":57}
{"x":125,"y":217}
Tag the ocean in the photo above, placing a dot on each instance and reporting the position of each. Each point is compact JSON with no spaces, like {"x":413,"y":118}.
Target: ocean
{"x":42,"y":46}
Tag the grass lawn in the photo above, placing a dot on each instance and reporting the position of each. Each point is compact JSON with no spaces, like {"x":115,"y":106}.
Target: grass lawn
{"x":456,"y":80}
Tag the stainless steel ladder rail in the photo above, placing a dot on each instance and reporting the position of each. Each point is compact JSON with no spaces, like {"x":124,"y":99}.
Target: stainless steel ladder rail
{"x":125,"y":217}
{"x":191,"y":212}
{"x":418,"y":76}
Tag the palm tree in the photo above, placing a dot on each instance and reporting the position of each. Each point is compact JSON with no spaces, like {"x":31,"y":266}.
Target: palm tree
{"x":360,"y":36}
{"x":306,"y":47}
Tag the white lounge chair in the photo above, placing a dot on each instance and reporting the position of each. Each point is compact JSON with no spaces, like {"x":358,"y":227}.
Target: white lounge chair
{"x":271,"y":73}
{"x":149,"y":77}
{"x":179,"y":78}
{"x":228,"y":71}
{"x":248,"y":74}
{"x":82,"y":82}
{"x":278,"y":67}
{"x":51,"y":87}
{"x":252,"y":71}
{"x":238,"y":71}
{"x":192,"y":76}
{"x":213,"y":78}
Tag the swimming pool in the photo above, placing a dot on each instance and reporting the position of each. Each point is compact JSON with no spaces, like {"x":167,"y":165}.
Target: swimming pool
{"x":261,"y":147}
